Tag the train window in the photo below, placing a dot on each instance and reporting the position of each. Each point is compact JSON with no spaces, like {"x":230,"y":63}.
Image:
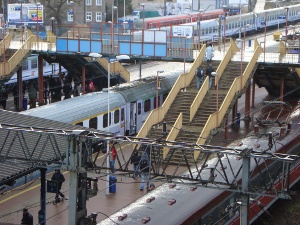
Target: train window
{"x":93,"y":123}
{"x":147,"y":105}
{"x":117,"y":116}
{"x":122,"y":114}
{"x":105,"y":120}
{"x":165,"y":95}
{"x":25,"y":65}
{"x":139,"y":108}
{"x":79,"y":124}
{"x":33,"y":63}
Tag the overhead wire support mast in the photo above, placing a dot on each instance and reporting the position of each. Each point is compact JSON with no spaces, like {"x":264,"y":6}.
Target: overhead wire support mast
{"x":80,"y":160}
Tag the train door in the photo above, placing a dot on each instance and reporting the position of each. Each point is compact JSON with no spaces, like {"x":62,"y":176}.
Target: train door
{"x":132,"y":118}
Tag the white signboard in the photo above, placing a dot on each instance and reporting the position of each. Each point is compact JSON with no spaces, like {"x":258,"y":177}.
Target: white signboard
{"x":182,"y":31}
{"x":31,"y":13}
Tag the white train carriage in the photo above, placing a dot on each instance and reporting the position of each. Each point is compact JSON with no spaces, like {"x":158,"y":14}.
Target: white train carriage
{"x":130,"y":105}
{"x":212,"y":29}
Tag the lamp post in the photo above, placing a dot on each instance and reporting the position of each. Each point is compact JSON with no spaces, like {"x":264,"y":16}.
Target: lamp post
{"x":286,"y":24}
{"x":199,"y":21}
{"x":73,"y":15}
{"x":21,"y":20}
{"x":225,"y":13}
{"x":245,"y":27}
{"x":157,"y":86}
{"x":124,"y":19}
{"x":52,"y":24}
{"x":113,"y":8}
{"x":265,"y":36}
{"x":217,"y":95}
{"x":241,"y":65}
{"x":143,"y":27}
{"x":298,"y":36}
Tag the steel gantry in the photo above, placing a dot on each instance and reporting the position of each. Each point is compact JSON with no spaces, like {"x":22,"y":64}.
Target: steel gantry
{"x":217,"y":167}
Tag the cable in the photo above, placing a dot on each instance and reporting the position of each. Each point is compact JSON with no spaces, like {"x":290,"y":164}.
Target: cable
{"x":108,"y":217}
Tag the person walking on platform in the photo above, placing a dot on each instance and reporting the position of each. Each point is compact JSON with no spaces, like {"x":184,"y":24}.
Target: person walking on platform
{"x":200,"y":76}
{"x":135,"y":160}
{"x":27,"y":218}
{"x":208,"y":72}
{"x":59,"y":178}
{"x":3,"y":97}
{"x":144,"y":168}
{"x":32,"y":93}
{"x":209,"y":53}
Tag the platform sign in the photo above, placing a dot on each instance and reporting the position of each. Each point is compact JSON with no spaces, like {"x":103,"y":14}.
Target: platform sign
{"x":182,"y":31}
{"x":52,"y":186}
{"x":31,"y":13}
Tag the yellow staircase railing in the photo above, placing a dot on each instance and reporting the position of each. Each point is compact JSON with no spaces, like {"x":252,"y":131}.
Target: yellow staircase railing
{"x":205,"y":86}
{"x":115,"y":67}
{"x":6,"y":68}
{"x":157,"y":115}
{"x":237,"y":85}
{"x":173,"y":133}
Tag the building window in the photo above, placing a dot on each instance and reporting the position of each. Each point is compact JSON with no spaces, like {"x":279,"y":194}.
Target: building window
{"x":33,"y":63}
{"x":98,"y":2}
{"x":89,"y":16}
{"x":88,"y":2}
{"x":98,"y":17}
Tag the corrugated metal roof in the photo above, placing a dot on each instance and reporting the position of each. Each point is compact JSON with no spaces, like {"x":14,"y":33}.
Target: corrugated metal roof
{"x":92,"y":104}
{"x":13,"y":168}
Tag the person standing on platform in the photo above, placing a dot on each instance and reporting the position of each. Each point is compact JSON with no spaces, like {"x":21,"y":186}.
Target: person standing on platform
{"x":113,"y":158}
{"x":67,"y":89}
{"x":144,"y":168}
{"x":209,"y":53}
{"x":32,"y":93}
{"x":208,"y":72}
{"x":135,"y":160}
{"x":59,"y":178}
{"x":46,"y":93}
{"x":27,"y":218}
{"x":3,"y":97}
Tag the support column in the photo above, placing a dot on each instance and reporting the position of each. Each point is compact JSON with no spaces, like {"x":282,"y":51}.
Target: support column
{"x":41,"y":80}
{"x":247,"y":103}
{"x":253,"y":91}
{"x":234,"y":112}
{"x":83,"y":79}
{"x":281,"y":88}
{"x":19,"y":106}
{"x":42,"y":212}
{"x":244,"y":208}
{"x":140,"y":69}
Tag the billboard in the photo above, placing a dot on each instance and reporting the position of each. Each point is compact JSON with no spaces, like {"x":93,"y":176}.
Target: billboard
{"x":182,"y":31}
{"x":31,"y":13}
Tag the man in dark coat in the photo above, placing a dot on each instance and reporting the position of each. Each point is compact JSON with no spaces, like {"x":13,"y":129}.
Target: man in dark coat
{"x":27,"y":218}
{"x":3,"y":97}
{"x":144,"y":167}
{"x":59,"y":177}
{"x":135,"y":160}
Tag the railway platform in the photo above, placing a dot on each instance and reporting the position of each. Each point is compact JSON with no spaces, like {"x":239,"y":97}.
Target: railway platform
{"x":127,"y":188}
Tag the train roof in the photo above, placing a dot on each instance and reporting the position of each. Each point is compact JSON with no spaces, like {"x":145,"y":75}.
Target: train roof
{"x":75,"y":109}
{"x":89,"y":105}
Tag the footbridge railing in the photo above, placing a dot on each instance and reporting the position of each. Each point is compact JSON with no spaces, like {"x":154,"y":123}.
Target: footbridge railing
{"x":238,"y":84}
{"x":205,"y":86}
{"x":157,"y":115}
{"x":115,"y":67}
